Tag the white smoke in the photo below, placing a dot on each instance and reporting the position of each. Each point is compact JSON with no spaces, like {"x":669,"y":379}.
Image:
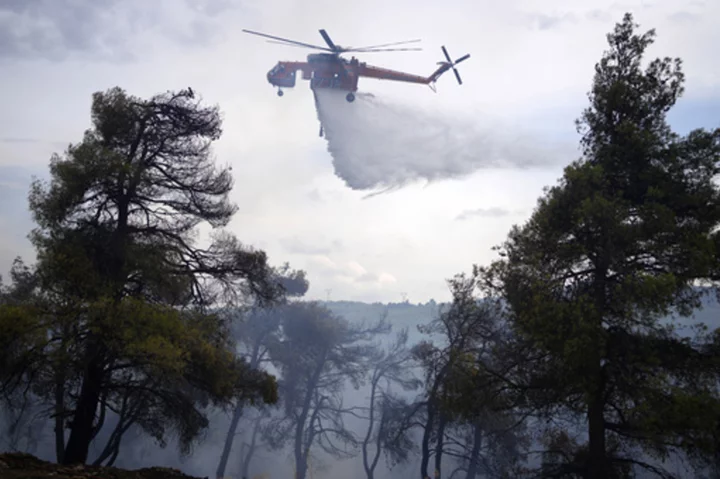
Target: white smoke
{"x":376,"y":144}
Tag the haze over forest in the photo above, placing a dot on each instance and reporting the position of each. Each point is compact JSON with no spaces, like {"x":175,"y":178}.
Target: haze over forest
{"x":142,"y":330}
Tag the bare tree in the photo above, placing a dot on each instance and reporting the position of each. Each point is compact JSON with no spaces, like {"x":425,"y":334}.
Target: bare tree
{"x":23,"y":424}
{"x":458,"y":389}
{"x":318,"y":355}
{"x":489,"y":446}
{"x":391,"y":368}
{"x":255,"y":333}
{"x":250,"y":445}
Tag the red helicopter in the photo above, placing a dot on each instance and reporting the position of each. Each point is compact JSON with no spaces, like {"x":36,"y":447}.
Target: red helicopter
{"x":330,"y":70}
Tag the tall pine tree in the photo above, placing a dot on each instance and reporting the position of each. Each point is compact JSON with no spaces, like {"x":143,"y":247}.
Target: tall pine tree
{"x":123,"y":316}
{"x":606,"y":257}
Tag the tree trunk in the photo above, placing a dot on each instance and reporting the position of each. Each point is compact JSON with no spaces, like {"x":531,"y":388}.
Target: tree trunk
{"x":475,"y":452}
{"x":425,"y":447}
{"x":300,"y":458}
{"x":597,"y":464}
{"x":302,"y":450}
{"x":300,"y":466}
{"x":369,"y":470}
{"x":251,"y":450}
{"x":439,"y":445}
{"x":59,"y":418}
{"x":83,"y":427}
{"x":378,"y":447}
{"x":431,"y":412}
{"x":237,"y":413}
{"x":81,"y":433}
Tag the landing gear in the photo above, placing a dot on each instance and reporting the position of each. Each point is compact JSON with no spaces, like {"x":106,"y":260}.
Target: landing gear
{"x":281,"y":93}
{"x":350,"y":97}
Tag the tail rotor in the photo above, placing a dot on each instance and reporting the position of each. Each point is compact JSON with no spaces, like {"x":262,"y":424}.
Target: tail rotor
{"x":452,"y":64}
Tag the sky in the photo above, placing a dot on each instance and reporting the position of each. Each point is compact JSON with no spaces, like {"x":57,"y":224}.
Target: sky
{"x":531,"y":66}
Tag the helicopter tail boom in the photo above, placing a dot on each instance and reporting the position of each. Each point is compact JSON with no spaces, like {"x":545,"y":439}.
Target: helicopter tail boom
{"x":385,"y":74}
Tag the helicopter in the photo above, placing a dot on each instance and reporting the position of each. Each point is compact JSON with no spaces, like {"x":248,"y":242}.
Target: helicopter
{"x":330,"y":70}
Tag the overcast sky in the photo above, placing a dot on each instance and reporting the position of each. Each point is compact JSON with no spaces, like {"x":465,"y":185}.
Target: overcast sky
{"x":531,"y":66}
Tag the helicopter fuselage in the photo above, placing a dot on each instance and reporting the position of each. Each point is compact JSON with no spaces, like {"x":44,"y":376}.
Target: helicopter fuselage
{"x":324,"y":70}
{"x":327,"y":70}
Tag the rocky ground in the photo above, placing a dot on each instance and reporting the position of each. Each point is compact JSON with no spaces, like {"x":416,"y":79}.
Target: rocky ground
{"x":25,"y":466}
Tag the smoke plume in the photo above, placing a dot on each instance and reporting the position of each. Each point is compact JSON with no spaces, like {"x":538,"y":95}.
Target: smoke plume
{"x":377,"y":144}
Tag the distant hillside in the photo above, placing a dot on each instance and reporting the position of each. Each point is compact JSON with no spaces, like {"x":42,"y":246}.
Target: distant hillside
{"x":411,"y":315}
{"x":398,"y":313}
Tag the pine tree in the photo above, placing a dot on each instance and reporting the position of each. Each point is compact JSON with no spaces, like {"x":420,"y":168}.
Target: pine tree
{"x":608,"y":253}
{"x":125,"y":311}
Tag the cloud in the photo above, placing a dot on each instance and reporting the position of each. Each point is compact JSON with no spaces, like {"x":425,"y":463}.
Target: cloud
{"x":323,"y":195}
{"x":598,"y":15}
{"x":382,"y":278}
{"x":295,"y":245}
{"x":33,"y":141}
{"x":494,"y":212}
{"x":349,"y":272}
{"x":543,"y":21}
{"x":315,"y":196}
{"x":379,"y":145}
{"x":20,"y":140}
{"x":102,"y":29}
{"x":211,"y":8}
{"x":50,"y":29}
{"x":287,"y":184}
{"x":683,"y":17}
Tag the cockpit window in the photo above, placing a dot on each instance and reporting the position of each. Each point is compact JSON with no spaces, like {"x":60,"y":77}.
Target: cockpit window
{"x":277,"y":69}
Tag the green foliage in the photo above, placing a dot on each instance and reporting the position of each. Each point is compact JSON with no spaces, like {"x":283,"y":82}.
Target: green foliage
{"x":122,"y":313}
{"x":134,"y":191}
{"x":20,"y":345}
{"x":610,"y":251}
{"x":165,"y":365}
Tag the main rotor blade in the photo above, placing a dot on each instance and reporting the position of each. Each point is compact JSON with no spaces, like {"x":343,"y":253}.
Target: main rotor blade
{"x":387,"y":44}
{"x":464,"y":57}
{"x":446,"y":54}
{"x":298,"y":46}
{"x":326,"y":37}
{"x":307,"y":45}
{"x":361,"y":50}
